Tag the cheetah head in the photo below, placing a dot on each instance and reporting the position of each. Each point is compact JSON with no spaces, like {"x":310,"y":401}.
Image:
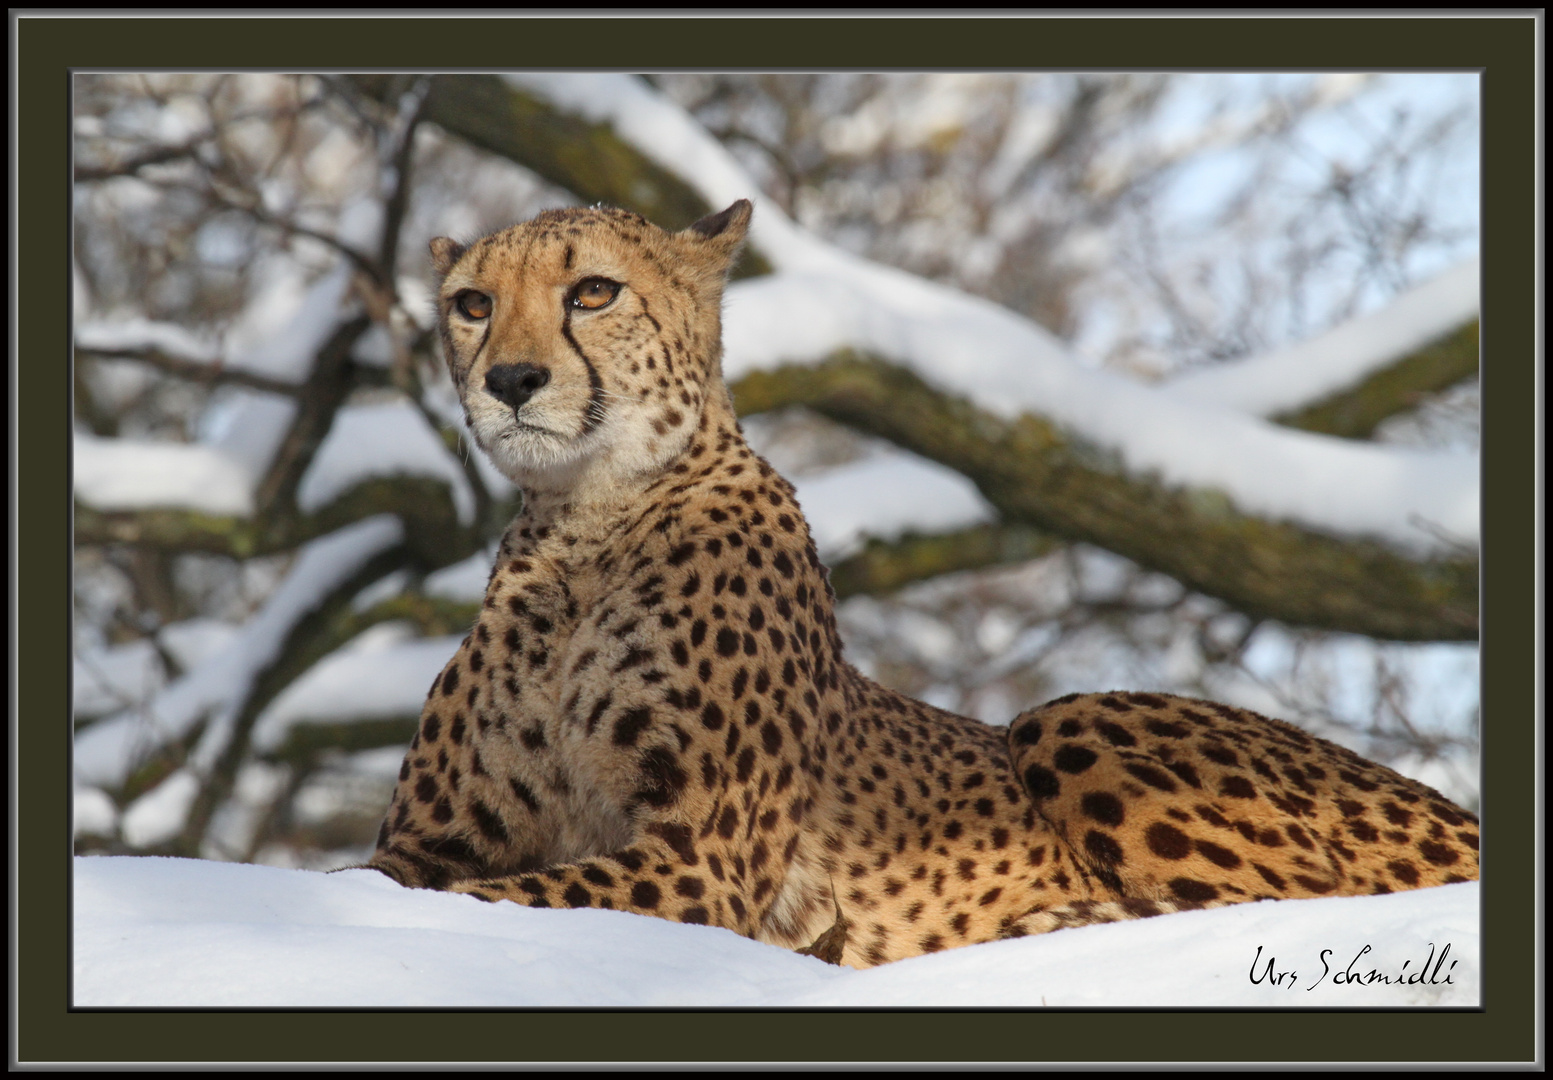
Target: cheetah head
{"x":586,"y":341}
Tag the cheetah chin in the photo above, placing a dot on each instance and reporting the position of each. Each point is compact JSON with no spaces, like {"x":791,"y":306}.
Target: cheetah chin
{"x":652,"y":712}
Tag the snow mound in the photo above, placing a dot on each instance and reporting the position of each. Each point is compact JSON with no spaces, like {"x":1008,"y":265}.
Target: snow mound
{"x":171,"y":932}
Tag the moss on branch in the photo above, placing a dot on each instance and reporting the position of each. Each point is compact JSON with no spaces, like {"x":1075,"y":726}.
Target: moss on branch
{"x":433,"y":533}
{"x":884,"y":566}
{"x":1355,"y":412}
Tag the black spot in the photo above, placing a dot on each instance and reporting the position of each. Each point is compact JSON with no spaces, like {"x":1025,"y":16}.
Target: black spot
{"x":1219,"y":856}
{"x":577,"y":896}
{"x":450,"y":680}
{"x":1115,"y":734}
{"x":644,"y":894}
{"x":1074,"y":759}
{"x":487,"y":821}
{"x":1363,"y":831}
{"x":679,"y":839}
{"x":1193,"y":891}
{"x":1167,"y":841}
{"x":1403,"y":871}
{"x":727,"y":642}
{"x":662,"y":778}
{"x":1237,"y":787}
{"x":630,"y":725}
{"x":1154,"y":778}
{"x":1223,"y":755}
{"x":1041,"y":782}
{"x":711,"y":716}
{"x":1103,"y":807}
{"x":1102,"y":848}
{"x":1028,"y":734}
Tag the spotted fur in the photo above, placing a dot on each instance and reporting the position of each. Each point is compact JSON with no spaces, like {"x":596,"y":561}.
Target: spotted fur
{"x":652,"y":712}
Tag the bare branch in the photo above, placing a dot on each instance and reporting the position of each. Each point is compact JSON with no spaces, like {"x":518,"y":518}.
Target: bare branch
{"x":199,"y":371}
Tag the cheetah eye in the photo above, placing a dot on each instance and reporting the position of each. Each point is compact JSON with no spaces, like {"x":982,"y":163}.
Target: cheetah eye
{"x":594,"y":293}
{"x":474,"y":305}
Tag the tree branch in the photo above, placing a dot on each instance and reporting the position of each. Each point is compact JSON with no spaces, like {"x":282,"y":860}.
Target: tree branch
{"x":1036,"y":475}
{"x":199,"y":371}
{"x":1356,"y":412}
{"x":328,"y":385}
{"x":884,"y":566}
{"x":585,"y":158}
{"x":425,"y":506}
{"x":310,"y":640}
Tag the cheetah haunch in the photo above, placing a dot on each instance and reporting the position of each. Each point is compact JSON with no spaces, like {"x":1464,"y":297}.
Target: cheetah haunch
{"x":652,"y":713}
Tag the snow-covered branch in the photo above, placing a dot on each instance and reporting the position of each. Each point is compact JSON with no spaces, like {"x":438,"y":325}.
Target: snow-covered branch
{"x":1035,"y":473}
{"x":1292,"y":379}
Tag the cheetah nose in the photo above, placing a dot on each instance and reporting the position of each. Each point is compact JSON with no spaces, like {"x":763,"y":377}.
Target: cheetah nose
{"x":515,"y":383}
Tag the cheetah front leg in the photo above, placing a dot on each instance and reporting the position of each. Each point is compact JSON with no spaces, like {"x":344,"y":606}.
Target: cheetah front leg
{"x":666,"y":875}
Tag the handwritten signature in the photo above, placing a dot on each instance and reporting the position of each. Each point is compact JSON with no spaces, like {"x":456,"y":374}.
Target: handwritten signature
{"x":1358,"y":972}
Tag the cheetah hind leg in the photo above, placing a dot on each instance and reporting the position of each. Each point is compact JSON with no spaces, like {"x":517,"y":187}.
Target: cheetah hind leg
{"x":1094,"y":912}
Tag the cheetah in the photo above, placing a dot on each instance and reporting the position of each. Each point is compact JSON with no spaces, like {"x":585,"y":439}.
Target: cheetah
{"x":652,"y":712}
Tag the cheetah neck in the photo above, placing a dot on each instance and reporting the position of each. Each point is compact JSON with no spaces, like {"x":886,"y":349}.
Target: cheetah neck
{"x":592,"y":496}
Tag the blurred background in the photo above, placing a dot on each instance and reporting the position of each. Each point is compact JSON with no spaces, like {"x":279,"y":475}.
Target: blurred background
{"x":282,"y":532}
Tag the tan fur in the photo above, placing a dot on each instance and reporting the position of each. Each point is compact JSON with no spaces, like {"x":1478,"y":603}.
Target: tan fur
{"x":652,"y":713}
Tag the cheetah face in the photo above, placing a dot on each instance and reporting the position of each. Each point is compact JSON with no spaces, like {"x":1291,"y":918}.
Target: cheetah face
{"x":586,"y":337}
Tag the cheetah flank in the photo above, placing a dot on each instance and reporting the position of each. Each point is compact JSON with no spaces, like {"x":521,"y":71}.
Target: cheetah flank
{"x":652,"y":712}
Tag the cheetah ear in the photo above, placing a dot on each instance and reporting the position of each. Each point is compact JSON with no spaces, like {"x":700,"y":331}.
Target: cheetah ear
{"x":730,"y":224}
{"x":715,"y":240}
{"x":444,"y":253}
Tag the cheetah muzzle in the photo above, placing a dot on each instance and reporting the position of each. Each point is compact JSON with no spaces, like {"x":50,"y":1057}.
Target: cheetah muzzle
{"x":652,"y":713}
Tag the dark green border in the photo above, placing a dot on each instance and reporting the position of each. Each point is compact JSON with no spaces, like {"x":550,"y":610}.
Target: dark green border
{"x":47,"y":47}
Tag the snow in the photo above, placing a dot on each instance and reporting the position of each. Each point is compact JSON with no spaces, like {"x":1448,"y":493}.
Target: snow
{"x":364,"y":681}
{"x":156,"y":816}
{"x":464,"y":580}
{"x":1008,"y":365}
{"x":171,"y":932}
{"x":126,"y":474}
{"x":137,"y":334}
{"x":92,"y":811}
{"x":108,"y":751}
{"x":884,"y":496}
{"x":104,"y":680}
{"x":247,"y":426}
{"x":289,"y":320}
{"x":380,"y":440}
{"x":1305,"y":373}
